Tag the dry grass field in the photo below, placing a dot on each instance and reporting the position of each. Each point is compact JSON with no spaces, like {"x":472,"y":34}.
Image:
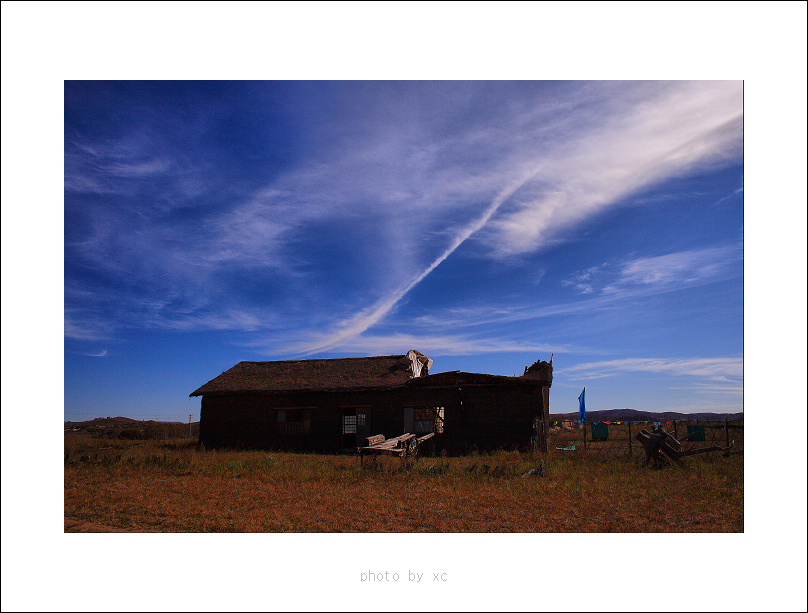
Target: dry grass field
{"x":171,"y":486}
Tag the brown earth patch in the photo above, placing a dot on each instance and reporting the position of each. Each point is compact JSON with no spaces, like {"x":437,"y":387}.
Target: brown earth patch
{"x":73,"y":524}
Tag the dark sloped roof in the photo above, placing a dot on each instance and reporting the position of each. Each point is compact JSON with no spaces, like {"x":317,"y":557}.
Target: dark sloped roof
{"x":459,"y":378}
{"x":299,"y":375}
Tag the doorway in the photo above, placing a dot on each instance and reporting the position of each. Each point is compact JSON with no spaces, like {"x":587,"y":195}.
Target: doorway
{"x":355,"y":426}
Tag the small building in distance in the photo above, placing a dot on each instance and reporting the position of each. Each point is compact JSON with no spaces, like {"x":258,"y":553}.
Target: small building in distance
{"x":328,"y":405}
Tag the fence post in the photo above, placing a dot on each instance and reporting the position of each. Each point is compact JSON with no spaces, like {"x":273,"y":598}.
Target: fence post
{"x":726,"y":427}
{"x":629,"y":438}
{"x":675,"y":433}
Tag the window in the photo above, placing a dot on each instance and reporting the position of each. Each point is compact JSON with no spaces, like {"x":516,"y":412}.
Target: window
{"x":353,"y":418}
{"x":294,"y":422}
{"x":428,"y":419}
{"x":349,"y":424}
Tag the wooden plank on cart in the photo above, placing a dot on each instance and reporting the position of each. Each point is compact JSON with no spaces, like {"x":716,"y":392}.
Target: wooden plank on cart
{"x":404,"y":445}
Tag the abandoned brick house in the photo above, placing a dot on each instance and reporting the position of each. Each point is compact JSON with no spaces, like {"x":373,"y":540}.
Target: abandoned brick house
{"x":333,"y":404}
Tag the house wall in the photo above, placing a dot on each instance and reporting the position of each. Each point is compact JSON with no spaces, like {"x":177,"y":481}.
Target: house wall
{"x":493,"y":417}
{"x":476,"y":416}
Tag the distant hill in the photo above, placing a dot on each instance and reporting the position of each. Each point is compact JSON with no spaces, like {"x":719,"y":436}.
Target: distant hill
{"x":634,"y":415}
{"x":112,"y":427}
{"x":103,"y":421}
{"x":116,"y":421}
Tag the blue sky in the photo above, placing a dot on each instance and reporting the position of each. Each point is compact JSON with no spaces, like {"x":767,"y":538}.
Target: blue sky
{"x":486,"y":224}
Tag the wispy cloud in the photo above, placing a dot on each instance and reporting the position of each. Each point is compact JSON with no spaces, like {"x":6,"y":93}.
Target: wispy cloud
{"x":642,"y":139}
{"x":221,"y":320}
{"x":251,"y":234}
{"x":433,"y":345}
{"x":385,"y":207}
{"x":133,"y":166}
{"x":82,"y":326}
{"x":601,"y":287}
{"x":95,"y":167}
{"x":99,"y":354}
{"x":141,"y":169}
{"x":659,"y":274}
{"x":731,"y":196}
{"x":735,"y":390}
{"x":715,"y":369}
{"x":582,"y":280}
{"x":354,"y":326}
{"x":642,"y":142}
{"x":473,"y":316}
{"x":713,"y":384}
{"x":678,"y":270}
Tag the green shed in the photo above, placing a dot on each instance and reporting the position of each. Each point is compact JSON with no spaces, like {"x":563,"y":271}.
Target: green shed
{"x":600,"y":431}
{"x":695,"y":432}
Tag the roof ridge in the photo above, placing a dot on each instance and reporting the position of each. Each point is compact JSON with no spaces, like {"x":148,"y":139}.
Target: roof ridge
{"x":369,"y":357}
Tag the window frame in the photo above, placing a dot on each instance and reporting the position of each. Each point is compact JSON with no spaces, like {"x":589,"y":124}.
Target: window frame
{"x":299,"y":425}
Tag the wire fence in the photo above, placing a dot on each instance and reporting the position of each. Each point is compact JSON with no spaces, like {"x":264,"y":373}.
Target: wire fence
{"x":619,"y":437}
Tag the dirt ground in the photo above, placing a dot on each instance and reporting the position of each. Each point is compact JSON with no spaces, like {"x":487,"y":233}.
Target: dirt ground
{"x":78,"y":525}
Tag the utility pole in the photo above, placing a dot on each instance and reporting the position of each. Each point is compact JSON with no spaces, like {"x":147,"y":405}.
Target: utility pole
{"x":189,"y":425}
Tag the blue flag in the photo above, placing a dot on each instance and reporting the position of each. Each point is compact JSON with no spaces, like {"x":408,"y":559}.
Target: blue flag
{"x":582,"y":405}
